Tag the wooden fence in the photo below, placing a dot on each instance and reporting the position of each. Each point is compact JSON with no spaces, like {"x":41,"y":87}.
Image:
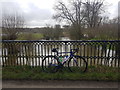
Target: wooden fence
{"x":32,"y":52}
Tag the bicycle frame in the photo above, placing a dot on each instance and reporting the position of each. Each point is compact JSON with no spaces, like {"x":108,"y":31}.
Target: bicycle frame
{"x":68,"y":57}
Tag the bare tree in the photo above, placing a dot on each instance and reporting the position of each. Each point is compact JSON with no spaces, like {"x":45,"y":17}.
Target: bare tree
{"x":107,"y":30}
{"x":92,"y":13}
{"x":80,"y":14}
{"x":72,"y":14}
{"x":11,"y":25}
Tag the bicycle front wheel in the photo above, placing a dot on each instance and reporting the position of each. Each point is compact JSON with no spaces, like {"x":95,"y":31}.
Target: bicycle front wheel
{"x":77,"y":64}
{"x":50,"y":64}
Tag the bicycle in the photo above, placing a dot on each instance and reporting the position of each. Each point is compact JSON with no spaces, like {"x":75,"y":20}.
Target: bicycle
{"x":52,"y":64}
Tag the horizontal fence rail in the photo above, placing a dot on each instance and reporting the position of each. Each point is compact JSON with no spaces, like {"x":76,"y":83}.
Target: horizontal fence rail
{"x":31,"y":53}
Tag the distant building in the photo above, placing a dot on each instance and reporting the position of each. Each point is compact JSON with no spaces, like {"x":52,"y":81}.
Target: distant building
{"x":57,"y":26}
{"x":66,"y":26}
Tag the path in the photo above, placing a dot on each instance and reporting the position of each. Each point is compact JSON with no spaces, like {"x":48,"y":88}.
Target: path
{"x":58,"y":84}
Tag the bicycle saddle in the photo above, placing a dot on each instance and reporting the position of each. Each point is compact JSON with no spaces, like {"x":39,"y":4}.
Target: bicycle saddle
{"x":54,"y":50}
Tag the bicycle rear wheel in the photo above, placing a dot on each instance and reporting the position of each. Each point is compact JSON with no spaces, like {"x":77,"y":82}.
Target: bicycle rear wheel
{"x":77,"y":64}
{"x":50,"y":64}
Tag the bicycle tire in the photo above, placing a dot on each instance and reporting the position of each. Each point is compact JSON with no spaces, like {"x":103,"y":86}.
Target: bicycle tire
{"x":49,"y":64}
{"x":79,"y":65}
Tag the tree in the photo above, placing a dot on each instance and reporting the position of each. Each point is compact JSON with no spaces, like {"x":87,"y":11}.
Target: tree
{"x":92,"y":13}
{"x":72,"y":14}
{"x":57,"y":32}
{"x":11,"y":25}
{"x":79,"y":14}
{"x":52,"y":33}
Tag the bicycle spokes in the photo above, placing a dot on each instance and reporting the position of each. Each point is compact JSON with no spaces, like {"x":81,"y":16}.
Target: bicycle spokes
{"x":50,"y":64}
{"x":77,"y":65}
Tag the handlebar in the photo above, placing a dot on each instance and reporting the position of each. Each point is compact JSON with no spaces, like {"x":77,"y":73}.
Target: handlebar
{"x":74,"y":50}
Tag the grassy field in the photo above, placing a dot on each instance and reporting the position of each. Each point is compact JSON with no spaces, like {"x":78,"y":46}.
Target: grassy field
{"x":30,"y":36}
{"x":99,"y":73}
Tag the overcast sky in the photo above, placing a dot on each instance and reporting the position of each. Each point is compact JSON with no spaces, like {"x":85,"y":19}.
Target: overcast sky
{"x":38,"y":13}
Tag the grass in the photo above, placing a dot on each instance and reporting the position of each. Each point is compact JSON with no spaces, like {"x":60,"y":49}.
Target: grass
{"x":99,"y":73}
{"x":30,"y":36}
